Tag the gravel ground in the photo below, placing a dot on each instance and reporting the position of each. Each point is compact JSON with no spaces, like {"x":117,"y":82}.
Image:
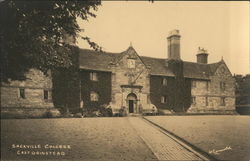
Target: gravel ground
{"x":212,"y":133}
{"x":89,"y":139}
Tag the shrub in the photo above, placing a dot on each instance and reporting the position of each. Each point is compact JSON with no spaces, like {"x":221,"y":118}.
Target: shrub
{"x":78,"y":115}
{"x":123,"y":111}
{"x":52,"y":113}
{"x":105,"y":111}
{"x":48,"y":114}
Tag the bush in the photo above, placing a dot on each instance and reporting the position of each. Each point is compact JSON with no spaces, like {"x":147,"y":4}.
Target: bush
{"x":48,"y":114}
{"x":105,"y":111}
{"x":165,"y":112}
{"x":78,"y":115}
{"x":52,"y":113}
{"x":123,"y":111}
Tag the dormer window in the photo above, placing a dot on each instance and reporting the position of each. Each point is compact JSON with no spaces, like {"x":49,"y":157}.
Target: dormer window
{"x":131,"y":63}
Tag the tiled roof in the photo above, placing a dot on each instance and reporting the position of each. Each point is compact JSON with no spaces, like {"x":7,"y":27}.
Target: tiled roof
{"x":157,"y":66}
{"x":214,"y":66}
{"x":94,"y":60}
{"x":196,"y":70}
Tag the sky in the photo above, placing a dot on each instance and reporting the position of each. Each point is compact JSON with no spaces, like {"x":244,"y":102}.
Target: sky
{"x":222,"y":28}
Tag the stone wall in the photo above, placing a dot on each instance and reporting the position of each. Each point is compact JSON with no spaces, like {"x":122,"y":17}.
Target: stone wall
{"x":129,"y":80}
{"x":209,"y":93}
{"x":34,"y":87}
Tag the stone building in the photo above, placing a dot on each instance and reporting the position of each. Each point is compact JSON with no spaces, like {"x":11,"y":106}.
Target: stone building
{"x":137,"y":83}
{"x":31,"y":97}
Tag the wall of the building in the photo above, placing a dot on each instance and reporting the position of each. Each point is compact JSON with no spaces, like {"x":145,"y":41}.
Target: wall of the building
{"x":157,"y":90}
{"x":66,"y":89}
{"x":214,"y":93}
{"x":34,"y":87}
{"x":102,"y":87}
{"x":122,"y":75}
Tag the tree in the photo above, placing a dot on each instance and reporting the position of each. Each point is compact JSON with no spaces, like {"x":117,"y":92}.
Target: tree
{"x":242,"y":89}
{"x":32,"y":34}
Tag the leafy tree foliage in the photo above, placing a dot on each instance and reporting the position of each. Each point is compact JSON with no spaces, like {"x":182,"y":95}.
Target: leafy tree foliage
{"x":242,"y":89}
{"x":32,"y":34}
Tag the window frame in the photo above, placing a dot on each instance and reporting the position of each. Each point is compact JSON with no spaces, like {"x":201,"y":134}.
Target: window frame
{"x":193,"y":100}
{"x":148,"y":99}
{"x":207,"y":85}
{"x":94,"y":96}
{"x":44,"y":94}
{"x":164,"y":99}
{"x":93,"y":76}
{"x":222,"y":86}
{"x":206,"y":101}
{"x":164,"y":82}
{"x":193,"y":83}
{"x":22,"y":94}
{"x":131,"y":63}
{"x":223,"y":101}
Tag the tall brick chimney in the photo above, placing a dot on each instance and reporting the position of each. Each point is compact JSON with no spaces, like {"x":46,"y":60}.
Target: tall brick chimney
{"x":202,"y":56}
{"x":174,"y":45}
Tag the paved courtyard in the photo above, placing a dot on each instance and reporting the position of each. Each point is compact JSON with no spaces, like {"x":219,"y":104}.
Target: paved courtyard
{"x":127,"y":138}
{"x":224,"y":137}
{"x":89,"y":139}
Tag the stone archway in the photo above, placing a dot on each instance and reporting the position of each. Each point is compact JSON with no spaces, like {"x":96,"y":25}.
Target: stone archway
{"x":132,"y":102}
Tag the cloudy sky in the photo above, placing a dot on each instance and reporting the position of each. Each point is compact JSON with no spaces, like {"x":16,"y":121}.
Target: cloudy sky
{"x":220,"y":27}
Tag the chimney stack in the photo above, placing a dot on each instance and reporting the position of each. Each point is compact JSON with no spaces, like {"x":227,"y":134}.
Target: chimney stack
{"x":202,"y":56}
{"x":174,"y":45}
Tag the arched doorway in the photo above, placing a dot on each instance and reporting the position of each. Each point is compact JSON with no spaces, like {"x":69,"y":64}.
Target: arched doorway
{"x":132,"y":99}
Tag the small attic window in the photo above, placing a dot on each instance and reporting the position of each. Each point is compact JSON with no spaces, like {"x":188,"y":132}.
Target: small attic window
{"x":131,"y":63}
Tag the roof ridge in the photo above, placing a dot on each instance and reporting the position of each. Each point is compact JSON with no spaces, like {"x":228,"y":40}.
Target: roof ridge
{"x":153,"y":57}
{"x":99,"y":52}
{"x":215,"y":63}
{"x":195,"y":63}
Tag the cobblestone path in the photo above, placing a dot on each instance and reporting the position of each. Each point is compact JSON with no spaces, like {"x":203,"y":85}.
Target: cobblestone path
{"x":163,"y":146}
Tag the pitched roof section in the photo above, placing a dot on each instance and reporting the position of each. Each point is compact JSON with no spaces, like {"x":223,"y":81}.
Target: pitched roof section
{"x":214,"y":66}
{"x":157,"y":66}
{"x":196,"y":70}
{"x":94,"y":60}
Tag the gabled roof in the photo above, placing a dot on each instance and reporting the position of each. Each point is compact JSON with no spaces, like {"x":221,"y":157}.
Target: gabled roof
{"x":101,"y":61}
{"x":214,"y":66}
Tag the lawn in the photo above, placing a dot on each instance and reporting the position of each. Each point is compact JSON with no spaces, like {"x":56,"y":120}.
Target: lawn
{"x":225,"y":137}
{"x":87,"y":139}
